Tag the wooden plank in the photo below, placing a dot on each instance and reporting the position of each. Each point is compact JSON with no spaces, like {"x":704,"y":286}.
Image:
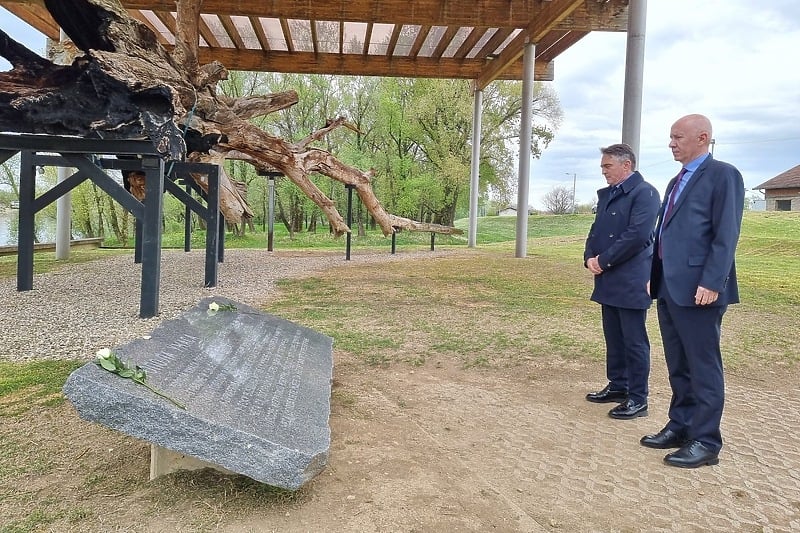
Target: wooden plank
{"x":35,"y":14}
{"x":358,"y":64}
{"x":167,"y":19}
{"x":393,"y":39}
{"x":232,"y":31}
{"x":444,"y":42}
{"x":548,"y":16}
{"x":470,"y":42}
{"x":259,"y":29}
{"x":491,"y":13}
{"x":207,"y":34}
{"x":314,"y":37}
{"x":419,"y":41}
{"x":494,"y":41}
{"x":367,"y":39}
{"x":287,"y":34}
{"x":556,"y":42}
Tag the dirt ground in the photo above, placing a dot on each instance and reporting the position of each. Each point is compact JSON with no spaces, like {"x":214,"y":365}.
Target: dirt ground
{"x":441,"y":448}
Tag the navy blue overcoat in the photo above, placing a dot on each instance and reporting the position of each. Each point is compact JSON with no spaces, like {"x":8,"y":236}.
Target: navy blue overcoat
{"x":622,"y":237}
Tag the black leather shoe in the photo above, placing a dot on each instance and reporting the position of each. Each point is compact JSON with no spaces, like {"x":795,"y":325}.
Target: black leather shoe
{"x":666,"y":438}
{"x":607,"y":395}
{"x":691,"y":455}
{"x":628,"y":409}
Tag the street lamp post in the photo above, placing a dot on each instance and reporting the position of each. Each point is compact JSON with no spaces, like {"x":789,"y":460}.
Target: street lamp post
{"x":574,"y":182}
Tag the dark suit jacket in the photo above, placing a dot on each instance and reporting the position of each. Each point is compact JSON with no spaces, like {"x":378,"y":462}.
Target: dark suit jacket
{"x":622,"y":237}
{"x":700,"y":236}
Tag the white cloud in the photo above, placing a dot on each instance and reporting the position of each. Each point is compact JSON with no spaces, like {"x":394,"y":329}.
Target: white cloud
{"x":730,"y":60}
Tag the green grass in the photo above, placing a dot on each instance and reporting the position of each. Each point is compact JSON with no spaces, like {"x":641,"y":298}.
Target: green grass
{"x":482,"y":308}
{"x":493,"y":230}
{"x":443,"y":306}
{"x":46,"y":261}
{"x":24,"y":385}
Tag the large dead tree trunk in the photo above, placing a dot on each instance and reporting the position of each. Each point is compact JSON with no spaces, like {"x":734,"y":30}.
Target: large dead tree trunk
{"x":128,"y":86}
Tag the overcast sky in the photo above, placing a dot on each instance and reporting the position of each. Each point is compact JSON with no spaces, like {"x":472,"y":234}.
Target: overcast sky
{"x":732,"y":60}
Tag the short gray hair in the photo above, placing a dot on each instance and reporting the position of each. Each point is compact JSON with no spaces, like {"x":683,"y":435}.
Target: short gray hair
{"x":621,"y":152}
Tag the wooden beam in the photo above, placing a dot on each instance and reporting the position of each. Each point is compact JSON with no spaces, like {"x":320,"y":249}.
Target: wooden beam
{"x":341,"y":37}
{"x":259,"y":29}
{"x":393,"y":39}
{"x":287,"y":35}
{"x":357,"y":64}
{"x":589,"y":16}
{"x":444,"y":42}
{"x":419,"y":41}
{"x":207,"y":34}
{"x":548,"y":16}
{"x":556,"y":42}
{"x":167,"y":19}
{"x":36,"y":15}
{"x":314,"y":44}
{"x":490,"y":13}
{"x":597,"y":16}
{"x":470,"y":42}
{"x":494,"y":41}
{"x":367,"y":39}
{"x":232,"y":31}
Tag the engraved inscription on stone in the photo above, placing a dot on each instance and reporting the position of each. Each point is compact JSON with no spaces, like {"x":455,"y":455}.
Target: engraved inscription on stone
{"x":256,"y":389}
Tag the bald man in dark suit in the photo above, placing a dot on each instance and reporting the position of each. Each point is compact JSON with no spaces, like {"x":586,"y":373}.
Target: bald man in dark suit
{"x":693,"y":279}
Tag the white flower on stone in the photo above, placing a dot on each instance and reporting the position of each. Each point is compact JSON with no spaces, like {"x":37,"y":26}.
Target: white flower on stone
{"x":213,"y":307}
{"x":105,"y":353}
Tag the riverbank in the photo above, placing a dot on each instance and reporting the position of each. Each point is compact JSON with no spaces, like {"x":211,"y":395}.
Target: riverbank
{"x":93,"y":242}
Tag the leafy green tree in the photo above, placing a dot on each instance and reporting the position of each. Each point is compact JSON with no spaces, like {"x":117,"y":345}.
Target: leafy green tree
{"x":424,"y":136}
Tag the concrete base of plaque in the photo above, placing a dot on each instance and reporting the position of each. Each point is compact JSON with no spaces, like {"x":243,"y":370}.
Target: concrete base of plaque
{"x":164,"y":461}
{"x":256,"y":389}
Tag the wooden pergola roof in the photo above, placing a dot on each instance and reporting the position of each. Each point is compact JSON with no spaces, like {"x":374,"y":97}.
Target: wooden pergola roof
{"x":481,"y":40}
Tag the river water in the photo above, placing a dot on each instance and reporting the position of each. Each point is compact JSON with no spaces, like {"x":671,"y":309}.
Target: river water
{"x":45,"y":227}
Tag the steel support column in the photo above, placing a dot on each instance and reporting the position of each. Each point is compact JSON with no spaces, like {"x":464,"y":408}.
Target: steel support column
{"x":526,"y":127}
{"x":474,"y":179}
{"x":634,"y":75}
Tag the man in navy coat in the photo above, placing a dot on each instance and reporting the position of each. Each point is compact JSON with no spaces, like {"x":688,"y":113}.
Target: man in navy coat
{"x":618,"y":252}
{"x":694,"y":279}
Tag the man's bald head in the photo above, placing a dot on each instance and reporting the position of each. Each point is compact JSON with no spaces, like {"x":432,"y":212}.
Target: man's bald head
{"x":690,"y":137}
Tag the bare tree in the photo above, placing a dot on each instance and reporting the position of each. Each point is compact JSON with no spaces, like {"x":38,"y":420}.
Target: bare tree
{"x":558,"y":201}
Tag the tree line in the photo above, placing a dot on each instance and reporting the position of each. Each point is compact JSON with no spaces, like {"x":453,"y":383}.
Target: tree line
{"x":415,"y":133}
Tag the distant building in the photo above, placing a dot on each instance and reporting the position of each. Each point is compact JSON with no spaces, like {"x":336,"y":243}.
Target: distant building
{"x":511,"y":211}
{"x":782,"y":193}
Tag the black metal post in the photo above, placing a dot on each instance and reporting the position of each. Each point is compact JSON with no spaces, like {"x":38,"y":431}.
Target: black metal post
{"x":153,"y":168}
{"x":433,"y":239}
{"x":212,"y":228}
{"x":349,"y":218}
{"x":25,"y":236}
{"x":187,"y":223}
{"x":271,"y":226}
{"x":394,"y":240}
{"x":137,"y":241}
{"x":221,"y":240}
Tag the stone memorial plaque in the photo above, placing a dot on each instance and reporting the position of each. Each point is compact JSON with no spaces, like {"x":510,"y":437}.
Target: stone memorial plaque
{"x":256,"y":390}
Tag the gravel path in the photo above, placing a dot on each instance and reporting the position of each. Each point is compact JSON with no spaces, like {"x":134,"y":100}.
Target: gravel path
{"x":74,"y":311}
